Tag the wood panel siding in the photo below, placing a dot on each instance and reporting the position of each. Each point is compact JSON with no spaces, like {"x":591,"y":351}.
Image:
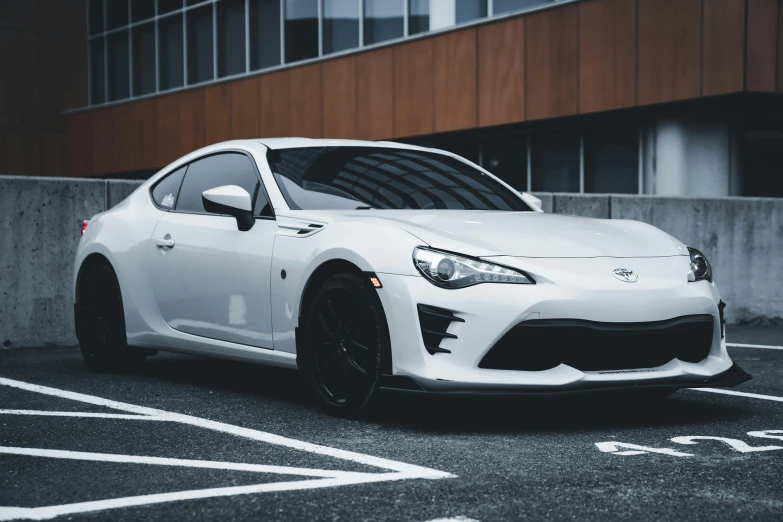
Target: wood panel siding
{"x":144,"y":123}
{"x":607,"y":55}
{"x":375,"y":95}
{"x":552,"y":63}
{"x":168,"y":129}
{"x":454,"y":63}
{"x":763,"y":30}
{"x":217,"y":113}
{"x":669,"y":56}
{"x":305,"y":101}
{"x":780,"y":46}
{"x":413,"y":88}
{"x":273,"y":93}
{"x":245,"y":112}
{"x":723,"y":53}
{"x":501,"y":82}
{"x":338,"y":96}
{"x":191,"y":121}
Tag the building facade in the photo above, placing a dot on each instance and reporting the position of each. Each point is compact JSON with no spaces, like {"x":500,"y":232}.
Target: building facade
{"x":669,"y":97}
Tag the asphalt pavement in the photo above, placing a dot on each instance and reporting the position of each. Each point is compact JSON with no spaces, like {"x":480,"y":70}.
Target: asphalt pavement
{"x":192,"y":438}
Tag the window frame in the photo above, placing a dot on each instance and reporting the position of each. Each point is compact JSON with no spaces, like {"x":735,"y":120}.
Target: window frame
{"x":187,"y":165}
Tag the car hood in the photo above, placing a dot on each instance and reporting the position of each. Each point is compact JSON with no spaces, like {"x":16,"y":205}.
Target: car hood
{"x":527,"y":234}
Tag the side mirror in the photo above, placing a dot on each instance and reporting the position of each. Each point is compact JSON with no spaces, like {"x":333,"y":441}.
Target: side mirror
{"x":230,"y":200}
{"x":530,"y":198}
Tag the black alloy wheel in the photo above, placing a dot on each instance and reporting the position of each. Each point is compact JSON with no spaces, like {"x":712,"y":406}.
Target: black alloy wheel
{"x":346,"y":345}
{"x":101,"y":332}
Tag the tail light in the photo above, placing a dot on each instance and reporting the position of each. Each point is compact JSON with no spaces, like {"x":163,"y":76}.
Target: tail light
{"x":84,"y":225}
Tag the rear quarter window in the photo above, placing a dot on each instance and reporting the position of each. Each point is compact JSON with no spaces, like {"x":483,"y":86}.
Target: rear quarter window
{"x":166,"y":191}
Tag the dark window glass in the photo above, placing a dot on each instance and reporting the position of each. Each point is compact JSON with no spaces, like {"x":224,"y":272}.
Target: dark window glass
{"x":315,"y":178}
{"x":506,"y":6}
{"x":216,"y":171}
{"x":142,"y":9}
{"x":612,"y":159}
{"x":116,"y":14}
{"x":96,"y":16}
{"x":144,"y":59}
{"x":194,"y":2}
{"x":171,"y":52}
{"x":200,"y":56}
{"x":341,"y":25}
{"x":383,"y":20}
{"x":467,"y":10}
{"x":762,"y":163}
{"x":301,"y":30}
{"x":418,"y":16}
{"x":555,"y":161}
{"x":166,"y":6}
{"x":264,"y":33}
{"x":97,"y":71}
{"x":166,"y":191}
{"x":119,"y":70}
{"x":506,"y":158}
{"x":231,"y":37}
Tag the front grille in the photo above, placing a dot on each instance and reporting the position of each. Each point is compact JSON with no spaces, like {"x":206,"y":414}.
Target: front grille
{"x":590,"y":346}
{"x":434,"y":322}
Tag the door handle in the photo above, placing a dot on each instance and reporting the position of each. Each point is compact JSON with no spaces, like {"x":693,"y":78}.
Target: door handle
{"x":165,"y":242}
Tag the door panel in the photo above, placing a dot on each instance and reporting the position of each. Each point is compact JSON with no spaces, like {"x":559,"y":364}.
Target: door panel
{"x":212,"y":280}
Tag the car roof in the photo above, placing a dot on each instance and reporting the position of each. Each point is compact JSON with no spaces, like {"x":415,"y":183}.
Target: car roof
{"x":290,"y":143}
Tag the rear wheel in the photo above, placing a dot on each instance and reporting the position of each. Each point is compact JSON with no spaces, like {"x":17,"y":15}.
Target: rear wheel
{"x":346,"y":345}
{"x":101,"y":326}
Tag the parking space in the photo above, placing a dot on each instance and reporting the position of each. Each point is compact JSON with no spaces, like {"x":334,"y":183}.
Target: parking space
{"x":195,"y":438}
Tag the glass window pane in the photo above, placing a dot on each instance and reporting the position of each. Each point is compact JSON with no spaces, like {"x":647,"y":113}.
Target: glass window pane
{"x":231,"y":37}
{"x":762,"y":161}
{"x":301,"y":30}
{"x":264,"y":33}
{"x":166,"y":191}
{"x":341,"y":25}
{"x":555,"y":161}
{"x":612,"y":159}
{"x":506,"y":6}
{"x":506,"y":158}
{"x":97,"y":71}
{"x":142,"y":10}
{"x":166,"y":6}
{"x":383,"y":20}
{"x":96,"y":16}
{"x":216,"y":171}
{"x":171,"y":52}
{"x":468,"y":10}
{"x":119,"y":70}
{"x":200,"y":56}
{"x":116,"y":14}
{"x":144,"y":59}
{"x":418,"y":16}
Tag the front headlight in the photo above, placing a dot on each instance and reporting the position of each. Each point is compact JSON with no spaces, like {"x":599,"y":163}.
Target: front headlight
{"x":700,"y":268}
{"x":449,"y":270}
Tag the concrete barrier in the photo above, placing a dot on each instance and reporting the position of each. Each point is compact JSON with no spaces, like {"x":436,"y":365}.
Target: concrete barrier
{"x":40,"y":220}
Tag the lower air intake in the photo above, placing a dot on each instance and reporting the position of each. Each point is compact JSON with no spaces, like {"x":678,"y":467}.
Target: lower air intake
{"x":591,"y":346}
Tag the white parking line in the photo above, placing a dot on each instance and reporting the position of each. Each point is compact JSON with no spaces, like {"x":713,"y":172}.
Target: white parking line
{"x":739,"y":394}
{"x":394,"y":470}
{"x":764,"y":346}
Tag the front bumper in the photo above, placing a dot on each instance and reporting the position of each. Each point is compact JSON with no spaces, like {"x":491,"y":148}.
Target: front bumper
{"x":489,"y":311}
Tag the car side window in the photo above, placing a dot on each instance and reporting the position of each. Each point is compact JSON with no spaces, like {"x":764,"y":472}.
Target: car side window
{"x":166,"y":190}
{"x":228,"y":168}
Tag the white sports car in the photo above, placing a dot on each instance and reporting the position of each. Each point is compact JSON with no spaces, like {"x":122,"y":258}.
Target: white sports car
{"x":377,"y":265}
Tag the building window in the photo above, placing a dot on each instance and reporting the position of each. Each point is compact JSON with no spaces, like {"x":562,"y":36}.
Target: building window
{"x":506,"y":158}
{"x":611,"y":159}
{"x":96,"y":16}
{"x":340,"y":25}
{"x":419,"y":16}
{"x":383,"y":20}
{"x":469,"y":10}
{"x":508,"y":6}
{"x":97,"y":72}
{"x":167,"y":6}
{"x":264,"y":34}
{"x":143,"y":59}
{"x":116,"y":14}
{"x":119,"y":67}
{"x":301,"y":30}
{"x":762,"y":163}
{"x":231,"y":37}
{"x":200,"y":51}
{"x":170,"y":61}
{"x":555,"y":161}
{"x":142,"y":10}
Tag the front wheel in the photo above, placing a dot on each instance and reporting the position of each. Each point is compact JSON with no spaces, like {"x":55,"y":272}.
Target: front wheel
{"x":346,"y":345}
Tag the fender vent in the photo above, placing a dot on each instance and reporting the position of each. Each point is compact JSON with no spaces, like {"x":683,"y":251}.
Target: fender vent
{"x":312,"y":227}
{"x":434,"y":322}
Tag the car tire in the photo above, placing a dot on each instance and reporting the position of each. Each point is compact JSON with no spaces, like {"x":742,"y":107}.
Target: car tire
{"x":102,"y":338}
{"x":345,"y":346}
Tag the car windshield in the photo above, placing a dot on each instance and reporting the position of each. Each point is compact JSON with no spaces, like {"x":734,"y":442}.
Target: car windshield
{"x":335,"y":178}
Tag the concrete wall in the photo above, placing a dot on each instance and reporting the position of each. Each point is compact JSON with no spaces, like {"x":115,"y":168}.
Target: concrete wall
{"x":40,"y":220}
